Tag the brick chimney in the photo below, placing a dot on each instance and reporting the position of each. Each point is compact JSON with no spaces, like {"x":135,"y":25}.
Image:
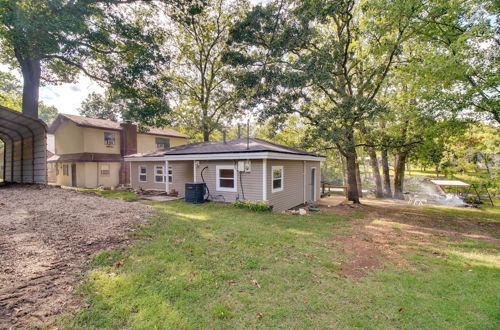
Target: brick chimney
{"x":128,"y":138}
{"x":128,"y":146}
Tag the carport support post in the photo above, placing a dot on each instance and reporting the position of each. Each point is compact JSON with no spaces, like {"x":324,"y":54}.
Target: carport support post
{"x":166,"y":175}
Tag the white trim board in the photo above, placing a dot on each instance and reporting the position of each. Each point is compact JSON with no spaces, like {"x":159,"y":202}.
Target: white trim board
{"x":225,"y":156}
{"x":282,"y":178}
{"x":217,"y":178}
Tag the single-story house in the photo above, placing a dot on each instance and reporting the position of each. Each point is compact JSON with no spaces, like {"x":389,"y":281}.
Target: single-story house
{"x":250,"y":169}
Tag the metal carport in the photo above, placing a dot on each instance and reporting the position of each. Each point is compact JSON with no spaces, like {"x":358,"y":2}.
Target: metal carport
{"x":25,"y":147}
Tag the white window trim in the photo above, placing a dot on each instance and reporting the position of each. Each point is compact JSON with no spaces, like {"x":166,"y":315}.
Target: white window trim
{"x":139,"y":173}
{"x":168,"y":175}
{"x":282,"y":178}
{"x":217,"y":178}
{"x":162,"y":173}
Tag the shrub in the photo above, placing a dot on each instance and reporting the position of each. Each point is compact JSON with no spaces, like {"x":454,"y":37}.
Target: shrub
{"x":253,"y":206}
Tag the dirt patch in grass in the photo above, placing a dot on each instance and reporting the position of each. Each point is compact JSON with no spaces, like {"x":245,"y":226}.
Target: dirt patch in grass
{"x":390,"y":229}
{"x":47,"y":236}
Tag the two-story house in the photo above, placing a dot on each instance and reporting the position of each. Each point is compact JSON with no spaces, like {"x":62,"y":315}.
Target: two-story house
{"x":89,"y":152}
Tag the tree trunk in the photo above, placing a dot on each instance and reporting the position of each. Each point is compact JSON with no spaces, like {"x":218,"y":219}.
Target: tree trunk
{"x":358,"y":179}
{"x":352,"y":182}
{"x":487,"y":167}
{"x":377,"y":180}
{"x":352,"y":166}
{"x":387,"y":176}
{"x":399,"y":176}
{"x":31,"y":71}
{"x":344,"y":172}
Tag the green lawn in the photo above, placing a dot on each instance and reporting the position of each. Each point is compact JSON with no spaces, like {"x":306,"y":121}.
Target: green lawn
{"x":214,"y":266}
{"x":118,"y":194}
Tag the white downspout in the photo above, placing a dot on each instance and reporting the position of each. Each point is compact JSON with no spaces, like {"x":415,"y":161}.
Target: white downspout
{"x":264,"y":180}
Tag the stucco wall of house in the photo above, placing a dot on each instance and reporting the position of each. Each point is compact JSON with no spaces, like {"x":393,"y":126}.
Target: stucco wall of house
{"x":68,"y":139}
{"x":93,"y":141}
{"x":88,"y":175}
{"x":147,"y":142}
{"x":182,"y":172}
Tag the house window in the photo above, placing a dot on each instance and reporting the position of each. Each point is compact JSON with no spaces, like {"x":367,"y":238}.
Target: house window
{"x":105,"y":169}
{"x":109,"y":138}
{"x":170,"y":174}
{"x":226,"y":178}
{"x":66,"y":170}
{"x":143,"y":174}
{"x":160,"y":175}
{"x":57,"y":169}
{"x":162,"y":143}
{"x":277,"y":178}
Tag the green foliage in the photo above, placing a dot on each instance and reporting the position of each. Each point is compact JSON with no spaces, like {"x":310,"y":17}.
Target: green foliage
{"x":252,"y":206}
{"x":114,"y":42}
{"x":106,"y":106}
{"x":11,"y":97}
{"x":206,"y":98}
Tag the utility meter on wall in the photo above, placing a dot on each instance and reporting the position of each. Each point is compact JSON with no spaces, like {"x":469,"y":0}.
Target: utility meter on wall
{"x":244,"y":166}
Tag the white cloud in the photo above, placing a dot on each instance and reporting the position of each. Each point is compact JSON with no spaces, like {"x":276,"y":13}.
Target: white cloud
{"x":67,"y":98}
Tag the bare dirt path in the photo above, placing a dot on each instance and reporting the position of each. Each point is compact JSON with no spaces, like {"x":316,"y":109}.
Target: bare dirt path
{"x":389,"y":228}
{"x":47,"y":236}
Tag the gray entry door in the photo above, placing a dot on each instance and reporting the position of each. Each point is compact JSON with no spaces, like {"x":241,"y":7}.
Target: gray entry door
{"x":313,"y":184}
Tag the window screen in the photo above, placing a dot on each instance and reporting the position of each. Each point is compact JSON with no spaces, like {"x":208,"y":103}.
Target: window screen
{"x":143,"y":174}
{"x":162,"y":143}
{"x":109,"y":138}
{"x":277,"y":178}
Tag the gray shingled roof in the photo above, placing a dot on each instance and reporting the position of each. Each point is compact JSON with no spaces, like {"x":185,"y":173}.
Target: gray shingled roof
{"x":112,"y":125}
{"x":231,"y":146}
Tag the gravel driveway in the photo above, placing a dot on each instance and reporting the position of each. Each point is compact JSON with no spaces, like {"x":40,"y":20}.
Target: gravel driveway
{"x":47,"y":236}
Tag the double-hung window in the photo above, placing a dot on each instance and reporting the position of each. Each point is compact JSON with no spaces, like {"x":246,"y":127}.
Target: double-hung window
{"x":109,"y":138}
{"x":162,"y":143}
{"x":170,"y":175}
{"x":277,"y":172}
{"x":143,"y":174}
{"x":66,"y":170}
{"x":105,"y":169}
{"x":160,"y":174}
{"x":226,"y":178}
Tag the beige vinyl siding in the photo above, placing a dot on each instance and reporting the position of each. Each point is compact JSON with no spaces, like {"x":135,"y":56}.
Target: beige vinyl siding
{"x":293,"y":187}
{"x":252,"y":182}
{"x":182,"y":172}
{"x":150,"y":183}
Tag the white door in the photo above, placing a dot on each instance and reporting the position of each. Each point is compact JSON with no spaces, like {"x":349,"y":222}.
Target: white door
{"x":313,"y":183}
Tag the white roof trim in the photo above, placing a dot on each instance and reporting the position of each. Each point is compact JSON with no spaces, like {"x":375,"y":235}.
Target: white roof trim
{"x":226,"y":156}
